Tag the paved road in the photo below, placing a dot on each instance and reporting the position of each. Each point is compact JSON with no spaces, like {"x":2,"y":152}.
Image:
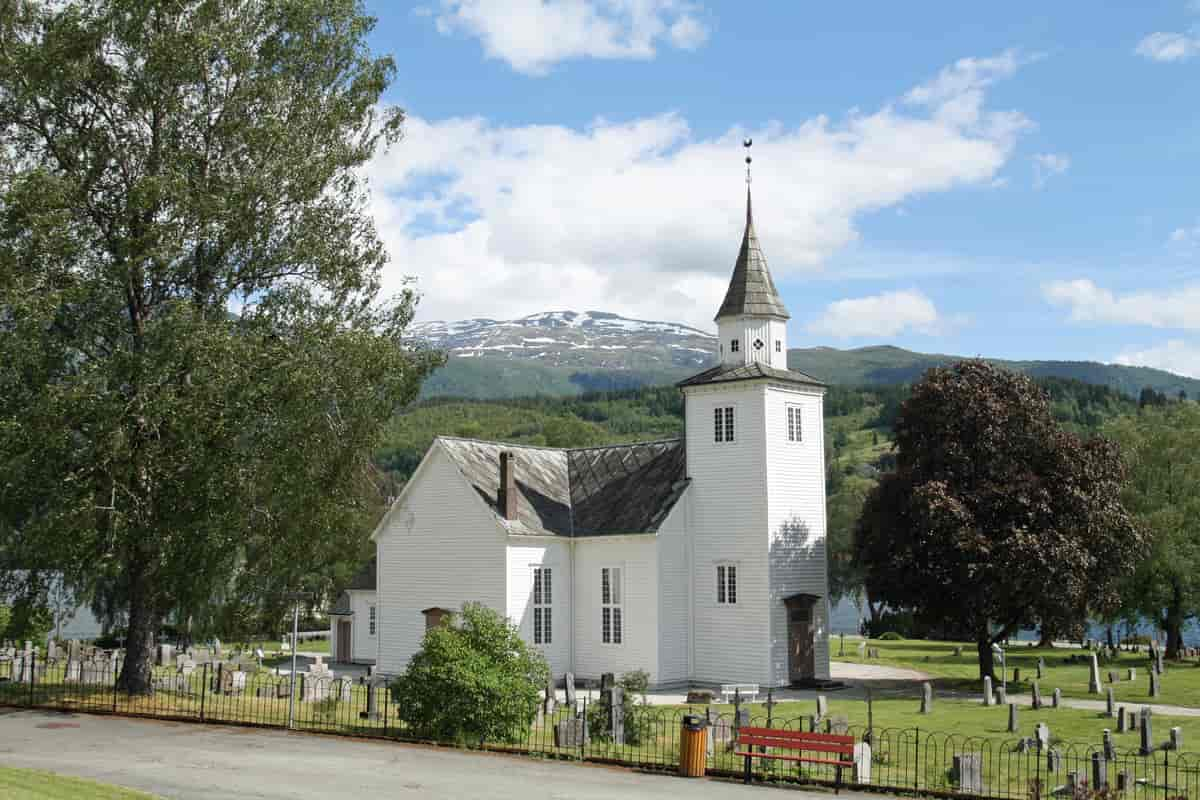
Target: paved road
{"x":184,"y":760}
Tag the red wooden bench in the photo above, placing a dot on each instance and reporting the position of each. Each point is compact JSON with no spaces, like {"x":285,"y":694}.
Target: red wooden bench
{"x":840,"y":749}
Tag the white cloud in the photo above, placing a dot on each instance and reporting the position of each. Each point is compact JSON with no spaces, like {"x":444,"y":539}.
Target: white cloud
{"x":1175,"y":356}
{"x":882,"y":316}
{"x":1047,"y":165}
{"x":1167,"y":47}
{"x":1090,"y":303}
{"x":644,"y":217}
{"x":533,"y":35}
{"x":1186,"y":236}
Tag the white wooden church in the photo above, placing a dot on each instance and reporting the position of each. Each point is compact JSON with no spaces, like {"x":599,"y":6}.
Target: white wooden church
{"x":700,"y":560}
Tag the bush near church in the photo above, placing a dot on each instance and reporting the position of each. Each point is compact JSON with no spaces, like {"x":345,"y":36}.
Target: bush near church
{"x":638,"y":723}
{"x":472,"y":681}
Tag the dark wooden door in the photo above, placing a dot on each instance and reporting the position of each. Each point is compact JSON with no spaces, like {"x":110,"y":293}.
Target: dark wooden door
{"x":801,"y":661}
{"x":343,"y":641}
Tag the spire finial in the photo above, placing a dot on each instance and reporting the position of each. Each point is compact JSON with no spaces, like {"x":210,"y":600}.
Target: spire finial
{"x":746,"y":144}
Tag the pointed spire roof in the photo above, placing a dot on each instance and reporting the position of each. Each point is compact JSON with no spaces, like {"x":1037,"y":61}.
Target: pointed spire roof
{"x":751,"y":290}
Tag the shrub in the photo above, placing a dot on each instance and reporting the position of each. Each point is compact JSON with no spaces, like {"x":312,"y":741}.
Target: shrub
{"x":639,"y":723}
{"x":472,"y":681}
{"x":891,"y":636}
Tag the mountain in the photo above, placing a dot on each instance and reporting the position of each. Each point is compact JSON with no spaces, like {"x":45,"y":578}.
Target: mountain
{"x":564,"y":353}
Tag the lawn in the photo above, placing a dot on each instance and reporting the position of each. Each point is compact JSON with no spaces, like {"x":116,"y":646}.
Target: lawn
{"x":27,"y":784}
{"x":1180,"y":685}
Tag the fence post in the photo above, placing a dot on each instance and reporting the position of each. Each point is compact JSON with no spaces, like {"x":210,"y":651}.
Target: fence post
{"x":917,"y":765}
{"x":32,"y":673}
{"x":203,"y":689}
{"x":116,"y":679}
{"x":584,"y":737}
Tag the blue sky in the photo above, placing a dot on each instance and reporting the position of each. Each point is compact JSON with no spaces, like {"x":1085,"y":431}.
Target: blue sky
{"x":1006,"y":179}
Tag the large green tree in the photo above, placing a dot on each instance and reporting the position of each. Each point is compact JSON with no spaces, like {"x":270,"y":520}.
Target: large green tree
{"x":195,"y":355}
{"x":995,"y":517}
{"x":1162,"y":447}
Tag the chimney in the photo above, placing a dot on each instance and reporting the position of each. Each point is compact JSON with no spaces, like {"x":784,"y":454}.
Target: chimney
{"x":508,"y":485}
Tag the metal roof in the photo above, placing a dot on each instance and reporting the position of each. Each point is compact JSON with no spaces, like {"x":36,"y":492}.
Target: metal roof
{"x":751,"y":289}
{"x":592,"y":491}
{"x":725,"y":373}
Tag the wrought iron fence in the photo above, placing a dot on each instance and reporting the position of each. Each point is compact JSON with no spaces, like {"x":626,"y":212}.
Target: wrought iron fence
{"x":905,"y":760}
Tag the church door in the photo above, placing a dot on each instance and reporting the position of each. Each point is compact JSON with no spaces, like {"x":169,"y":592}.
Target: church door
{"x":801,"y":636}
{"x":343,"y":653}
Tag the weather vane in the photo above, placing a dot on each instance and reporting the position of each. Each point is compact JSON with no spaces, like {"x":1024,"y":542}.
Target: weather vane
{"x":746,"y":144}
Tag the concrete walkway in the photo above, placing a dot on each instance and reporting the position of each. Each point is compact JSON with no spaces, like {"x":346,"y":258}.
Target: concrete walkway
{"x":190,"y":762}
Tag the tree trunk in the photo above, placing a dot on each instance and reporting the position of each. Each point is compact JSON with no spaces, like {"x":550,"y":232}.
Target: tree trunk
{"x":136,"y":671}
{"x":1045,"y":637}
{"x":987,"y":659}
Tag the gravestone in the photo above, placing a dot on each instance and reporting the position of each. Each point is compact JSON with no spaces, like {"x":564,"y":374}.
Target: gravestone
{"x":1146,"y":729}
{"x":1056,"y":698}
{"x":1053,"y":761}
{"x":1133,"y":720}
{"x":1042,"y":734}
{"x":1125,"y":781}
{"x":1094,"y":676}
{"x":720,"y":732}
{"x":1072,"y":788}
{"x":607,"y":681}
{"x":1113,"y":677}
{"x":166,"y":654}
{"x":1133,"y":673}
{"x":571,"y":732}
{"x":700,"y":696}
{"x":1041,"y":667}
{"x":862,"y":763}
{"x":822,"y":707}
{"x":1110,"y":706}
{"x":569,"y":680}
{"x":1013,"y":722}
{"x":968,"y":772}
{"x":1037,"y":696}
{"x":1110,"y":749}
{"x":72,"y":673}
{"x":958,"y":651}
{"x":1153,"y":684}
{"x":616,"y":714}
{"x":1001,"y":696}
{"x":1122,"y":720}
{"x":550,"y":704}
{"x":1176,"y":742}
{"x":1099,"y":772}
{"x":988,"y":698}
{"x":838,"y":724}
{"x":1016,"y":674}
{"x":926,"y":697}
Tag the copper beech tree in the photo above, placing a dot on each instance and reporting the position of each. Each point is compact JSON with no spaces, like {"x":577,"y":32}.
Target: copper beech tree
{"x":196,"y":359}
{"x":995,"y":518}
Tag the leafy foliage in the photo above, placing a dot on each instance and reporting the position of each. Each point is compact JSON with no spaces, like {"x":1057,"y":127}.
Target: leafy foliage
{"x":197,"y":360}
{"x":1162,"y":449}
{"x":995,"y":517}
{"x":472,"y":680}
{"x":638,"y":713}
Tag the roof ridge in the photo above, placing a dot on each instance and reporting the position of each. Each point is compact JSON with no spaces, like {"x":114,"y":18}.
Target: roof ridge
{"x":557,"y":449}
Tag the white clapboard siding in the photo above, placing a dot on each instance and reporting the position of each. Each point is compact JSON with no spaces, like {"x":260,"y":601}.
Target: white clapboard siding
{"x":525,"y":553}
{"x":674,"y":597}
{"x":747,"y":330}
{"x":440,"y":546}
{"x":728,"y":519}
{"x":796,"y":514}
{"x":363,"y":645}
{"x":637,"y":556}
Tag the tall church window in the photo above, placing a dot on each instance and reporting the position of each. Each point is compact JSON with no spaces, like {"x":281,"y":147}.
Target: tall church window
{"x":726,"y":584}
{"x":795,"y":432}
{"x":371,"y":620}
{"x":543,"y":625}
{"x":778,"y":346}
{"x":723,"y":424}
{"x":612,"y":628}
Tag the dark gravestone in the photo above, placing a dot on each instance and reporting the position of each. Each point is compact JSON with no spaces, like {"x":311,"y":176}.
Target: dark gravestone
{"x":1110,"y":703}
{"x":1110,"y":749}
{"x":1099,"y":772}
{"x":1056,"y":698}
{"x":550,"y":704}
{"x":607,"y":681}
{"x":569,"y":681}
{"x":1124,"y":781}
{"x":1013,"y":722}
{"x":1053,"y":761}
{"x":837,"y":724}
{"x":570,"y":733}
{"x":1113,"y":677}
{"x":616,"y":714}
{"x":1041,"y":667}
{"x":1016,"y":674}
{"x":968,"y":772}
{"x":1122,"y":720}
{"x":1176,"y":743}
{"x":1153,"y":684}
{"x":1037,"y":695}
{"x":1146,"y":729}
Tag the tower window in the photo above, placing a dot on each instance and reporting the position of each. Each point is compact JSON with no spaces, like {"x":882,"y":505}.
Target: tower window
{"x":733,"y":346}
{"x":723,"y":424}
{"x":726,"y":584}
{"x":794,"y":431}
{"x":778,"y":346}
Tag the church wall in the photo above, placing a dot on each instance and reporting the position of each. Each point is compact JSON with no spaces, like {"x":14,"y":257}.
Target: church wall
{"x":674,"y":596}
{"x":441,"y":547}
{"x":796,"y":521}
{"x":525,"y":553}
{"x":637,"y":557}
{"x":728,"y":521}
{"x":362,"y":644}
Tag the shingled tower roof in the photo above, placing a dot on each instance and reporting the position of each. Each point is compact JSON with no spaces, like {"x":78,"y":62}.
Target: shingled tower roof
{"x":751,"y":290}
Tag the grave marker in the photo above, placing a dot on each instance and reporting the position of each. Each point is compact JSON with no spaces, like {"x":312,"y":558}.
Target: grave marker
{"x":926,"y":697}
{"x":968,"y":771}
{"x":1094,"y":676}
{"x":988,"y":698}
{"x":1013,"y":723}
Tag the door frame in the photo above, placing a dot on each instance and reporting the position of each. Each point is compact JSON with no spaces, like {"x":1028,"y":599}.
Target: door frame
{"x":344,"y":647}
{"x":807,"y":603}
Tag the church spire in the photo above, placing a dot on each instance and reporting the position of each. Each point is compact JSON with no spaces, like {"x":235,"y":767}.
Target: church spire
{"x":751,"y":291}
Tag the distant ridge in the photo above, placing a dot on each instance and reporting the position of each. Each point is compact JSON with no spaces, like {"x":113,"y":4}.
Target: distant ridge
{"x":563,"y":353}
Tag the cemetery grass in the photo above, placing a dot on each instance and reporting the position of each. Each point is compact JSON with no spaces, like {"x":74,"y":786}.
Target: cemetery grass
{"x":27,"y":784}
{"x":1180,"y":684}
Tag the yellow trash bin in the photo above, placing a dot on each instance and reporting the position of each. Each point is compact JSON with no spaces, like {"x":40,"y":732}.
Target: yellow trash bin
{"x":693,"y":747}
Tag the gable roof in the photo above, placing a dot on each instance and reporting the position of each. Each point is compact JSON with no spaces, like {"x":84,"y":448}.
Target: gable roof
{"x":726,"y":373}
{"x":592,"y":491}
{"x":751,"y":289}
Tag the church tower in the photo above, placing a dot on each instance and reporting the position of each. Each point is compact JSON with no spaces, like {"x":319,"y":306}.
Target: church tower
{"x":756,"y":513}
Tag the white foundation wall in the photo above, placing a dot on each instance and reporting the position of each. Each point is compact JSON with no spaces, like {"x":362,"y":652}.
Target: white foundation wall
{"x":796,"y":522}
{"x":637,"y":556}
{"x":674,"y":597}
{"x":440,"y":547}
{"x":727,"y":516}
{"x":525,"y":553}
{"x":363,"y":646}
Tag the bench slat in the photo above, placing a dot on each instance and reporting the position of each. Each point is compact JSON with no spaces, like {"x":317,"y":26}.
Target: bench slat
{"x":801,"y":736}
{"x":798,"y":758}
{"x":816,"y":747}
